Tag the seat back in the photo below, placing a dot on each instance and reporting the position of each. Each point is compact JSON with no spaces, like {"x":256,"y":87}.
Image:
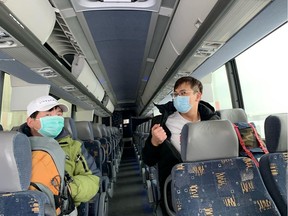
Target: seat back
{"x":69,"y":125}
{"x":97,"y":132}
{"x":15,"y":169}
{"x":234,"y":115}
{"x":219,"y":142}
{"x":83,"y":136}
{"x":85,"y":133}
{"x":275,"y":128}
{"x":213,"y":180}
{"x":273,"y":166}
{"x":15,"y":128}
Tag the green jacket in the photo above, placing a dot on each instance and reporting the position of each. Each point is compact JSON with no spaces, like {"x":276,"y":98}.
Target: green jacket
{"x":85,"y":185}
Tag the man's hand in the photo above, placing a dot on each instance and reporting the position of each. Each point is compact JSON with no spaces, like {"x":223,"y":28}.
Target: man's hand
{"x":158,"y":135}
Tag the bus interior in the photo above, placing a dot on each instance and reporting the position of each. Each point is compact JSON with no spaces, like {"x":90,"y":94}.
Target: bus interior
{"x":111,"y":61}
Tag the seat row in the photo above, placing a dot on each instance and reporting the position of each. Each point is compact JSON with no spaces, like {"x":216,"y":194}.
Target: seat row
{"x":101,"y":143}
{"x":213,"y":179}
{"x":104,"y":144}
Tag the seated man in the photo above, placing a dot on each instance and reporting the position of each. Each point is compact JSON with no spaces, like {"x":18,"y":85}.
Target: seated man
{"x":162,"y":147}
{"x":45,"y":118}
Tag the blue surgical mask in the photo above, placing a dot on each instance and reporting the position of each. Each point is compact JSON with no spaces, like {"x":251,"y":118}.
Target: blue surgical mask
{"x":51,"y":126}
{"x":182,"y":104}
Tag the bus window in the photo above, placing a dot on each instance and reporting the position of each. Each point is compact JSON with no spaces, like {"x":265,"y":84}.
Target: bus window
{"x":9,"y":118}
{"x":262,"y":70}
{"x":220,"y":89}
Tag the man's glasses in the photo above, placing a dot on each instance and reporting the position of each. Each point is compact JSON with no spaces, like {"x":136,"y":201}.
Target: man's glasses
{"x":181,"y":93}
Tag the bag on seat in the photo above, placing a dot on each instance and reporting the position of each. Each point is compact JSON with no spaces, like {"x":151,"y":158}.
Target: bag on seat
{"x":48,"y":173}
{"x":250,"y":141}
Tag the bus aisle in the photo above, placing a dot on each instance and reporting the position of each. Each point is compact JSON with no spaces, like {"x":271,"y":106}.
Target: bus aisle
{"x":130,"y":196}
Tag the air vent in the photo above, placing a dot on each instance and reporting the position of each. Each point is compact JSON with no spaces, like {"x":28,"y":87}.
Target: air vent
{"x":69,"y":88}
{"x":4,"y":35}
{"x":82,"y":97}
{"x":6,"y":41}
{"x":46,"y":72}
{"x":207,"y":49}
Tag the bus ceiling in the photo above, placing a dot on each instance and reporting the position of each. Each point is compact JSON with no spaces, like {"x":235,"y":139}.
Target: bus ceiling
{"x":126,"y":55}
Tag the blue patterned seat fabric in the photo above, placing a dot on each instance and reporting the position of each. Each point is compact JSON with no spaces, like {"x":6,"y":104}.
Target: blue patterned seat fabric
{"x":220,"y":187}
{"x":28,"y":203}
{"x":213,"y":180}
{"x":273,"y":166}
{"x":15,"y":169}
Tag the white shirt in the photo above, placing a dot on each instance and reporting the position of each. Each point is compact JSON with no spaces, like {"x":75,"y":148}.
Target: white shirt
{"x":175,"y":123}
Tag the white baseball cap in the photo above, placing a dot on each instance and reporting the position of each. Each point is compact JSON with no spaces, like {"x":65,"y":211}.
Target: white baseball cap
{"x":44,"y":103}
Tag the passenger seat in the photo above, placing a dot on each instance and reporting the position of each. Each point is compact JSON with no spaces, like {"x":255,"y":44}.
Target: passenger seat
{"x":99,"y":205}
{"x":213,"y":180}
{"x":273,"y":166}
{"x":234,"y":115}
{"x":15,"y":169}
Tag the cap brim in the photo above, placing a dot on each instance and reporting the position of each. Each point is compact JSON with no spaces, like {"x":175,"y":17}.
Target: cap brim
{"x":63,"y":107}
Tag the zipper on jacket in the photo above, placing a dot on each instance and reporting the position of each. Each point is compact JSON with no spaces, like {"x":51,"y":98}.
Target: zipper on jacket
{"x":79,"y":158}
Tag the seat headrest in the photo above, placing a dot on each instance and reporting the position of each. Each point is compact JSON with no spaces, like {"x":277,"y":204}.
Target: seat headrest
{"x":84,"y":130}
{"x":15,"y":128}
{"x":69,"y":125}
{"x":208,"y":140}
{"x":108,"y":131}
{"x":104,"y":130}
{"x":234,"y":115}
{"x":97,"y":130}
{"x":15,"y":161}
{"x":275,"y":127}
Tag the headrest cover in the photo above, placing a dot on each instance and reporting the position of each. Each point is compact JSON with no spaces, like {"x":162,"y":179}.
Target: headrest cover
{"x":104,"y":130}
{"x":97,"y":130}
{"x":276,"y":130}
{"x":234,"y":115}
{"x":84,"y":130}
{"x":208,"y":140}
{"x":69,"y":125}
{"x":15,"y":162}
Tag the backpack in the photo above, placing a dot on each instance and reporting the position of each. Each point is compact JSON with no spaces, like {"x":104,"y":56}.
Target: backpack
{"x":250,"y":141}
{"x":48,"y":173}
